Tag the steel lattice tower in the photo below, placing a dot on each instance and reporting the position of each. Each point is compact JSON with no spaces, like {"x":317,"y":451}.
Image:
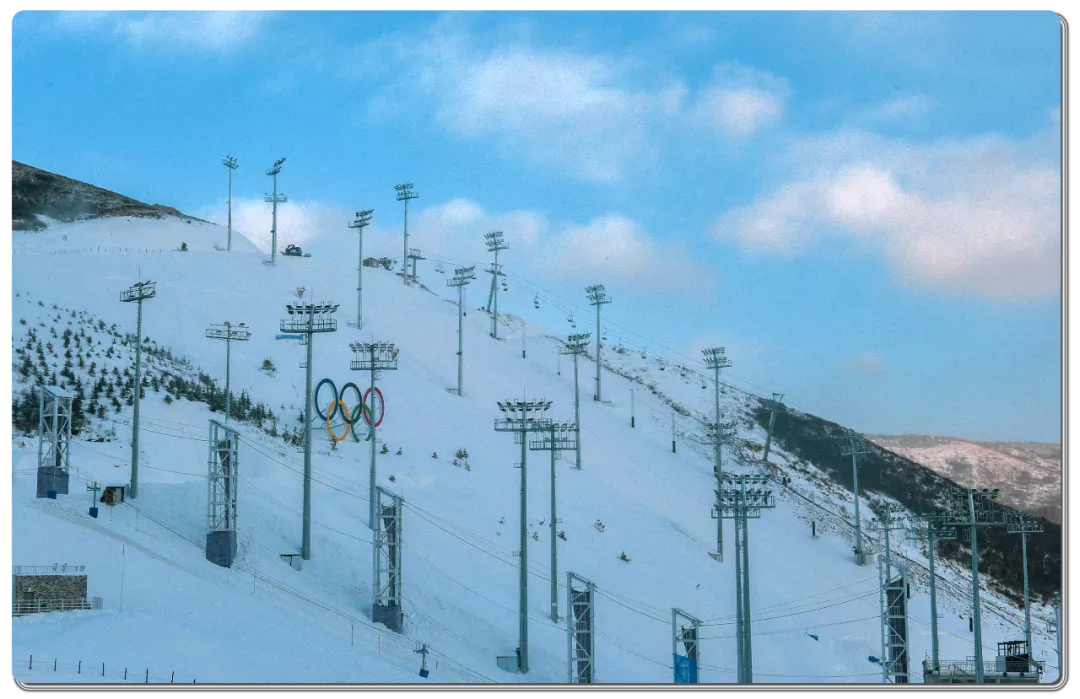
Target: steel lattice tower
{"x":54,"y":440}
{"x":894,"y":646}
{"x":856,"y":445}
{"x":222,"y":483}
{"x":386,"y":561}
{"x":463,"y":276}
{"x":685,"y":629}
{"x":137,"y":293}
{"x":580,"y":629}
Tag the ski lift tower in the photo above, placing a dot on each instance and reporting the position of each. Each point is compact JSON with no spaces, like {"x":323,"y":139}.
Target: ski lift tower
{"x":576,"y":345}
{"x":462,"y":277}
{"x":228,"y":332}
{"x":1024,"y":524}
{"x":597,"y":297}
{"x":275,"y":198}
{"x":716,"y":435}
{"x":137,"y":293}
{"x":373,"y":357}
{"x":561,"y":437}
{"x":495,"y":243}
{"x":932,"y":529}
{"x":855,"y":446}
{"x":54,"y":440}
{"x":414,"y":255}
{"x":687,"y":629}
{"x":405,"y":193}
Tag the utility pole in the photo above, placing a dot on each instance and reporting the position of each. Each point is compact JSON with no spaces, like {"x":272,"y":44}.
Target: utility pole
{"x":230,"y":162}
{"x":597,"y":298}
{"x":775,"y":404}
{"x":274,"y":198}
{"x":743,"y":498}
{"x":405,"y":193}
{"x":971,"y":509}
{"x":716,"y":435}
{"x":308,"y":319}
{"x":931,"y":529}
{"x":363,"y":219}
{"x":521,"y":424}
{"x":576,"y":345}
{"x":228,"y":332}
{"x":1024,"y":524}
{"x":856,"y":445}
{"x":495,"y":243}
{"x":687,"y":629}
{"x":560,"y":437}
{"x":373,"y":357}
{"x":137,"y":293}
{"x":414,"y":255}
{"x":462,"y":277}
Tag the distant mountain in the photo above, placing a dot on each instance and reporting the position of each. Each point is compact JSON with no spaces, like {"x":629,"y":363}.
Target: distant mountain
{"x":36,"y":193}
{"x":1028,"y":473}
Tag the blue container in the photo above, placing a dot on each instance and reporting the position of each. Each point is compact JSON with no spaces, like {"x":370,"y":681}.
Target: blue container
{"x":423,"y":673}
{"x":51,"y":494}
{"x":93,"y":512}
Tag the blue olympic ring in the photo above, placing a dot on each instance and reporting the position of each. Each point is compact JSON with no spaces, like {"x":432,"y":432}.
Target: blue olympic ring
{"x":355,"y":412}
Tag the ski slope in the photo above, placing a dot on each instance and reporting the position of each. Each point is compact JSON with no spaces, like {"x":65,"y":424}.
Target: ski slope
{"x":168,"y":609}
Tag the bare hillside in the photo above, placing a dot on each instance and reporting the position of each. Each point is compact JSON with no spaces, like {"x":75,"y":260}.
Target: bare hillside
{"x":1028,"y":473}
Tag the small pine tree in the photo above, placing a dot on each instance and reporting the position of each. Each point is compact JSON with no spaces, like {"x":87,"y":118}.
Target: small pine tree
{"x":385,"y":449}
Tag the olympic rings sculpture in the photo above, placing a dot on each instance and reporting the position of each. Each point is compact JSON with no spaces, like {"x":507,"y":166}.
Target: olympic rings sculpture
{"x":365,"y":405}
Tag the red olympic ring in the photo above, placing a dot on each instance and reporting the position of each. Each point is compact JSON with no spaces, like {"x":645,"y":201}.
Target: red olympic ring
{"x":382,"y":407}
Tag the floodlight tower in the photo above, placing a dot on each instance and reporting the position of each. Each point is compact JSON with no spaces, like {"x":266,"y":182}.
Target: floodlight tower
{"x":230,"y":162}
{"x":743,"y":498}
{"x":308,"y":319}
{"x":405,"y":193}
{"x":495,"y":243}
{"x":931,"y":529}
{"x":717,"y":434}
{"x":414,"y":255}
{"x":576,"y":345}
{"x":520,"y":423}
{"x":273,"y":171}
{"x":775,"y":404}
{"x":374,"y":357}
{"x":137,"y":293}
{"x":561,"y":437}
{"x":972,"y":508}
{"x":716,"y":359}
{"x":856,"y":445}
{"x":1024,"y":524}
{"x":228,"y":332}
{"x":597,"y":298}
{"x":462,"y":277}
{"x":363,"y":219}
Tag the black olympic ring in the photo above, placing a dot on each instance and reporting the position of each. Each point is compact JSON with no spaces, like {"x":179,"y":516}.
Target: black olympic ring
{"x":357,"y":409}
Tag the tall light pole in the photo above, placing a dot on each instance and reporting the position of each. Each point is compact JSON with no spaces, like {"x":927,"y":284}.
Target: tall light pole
{"x":373,"y":357}
{"x":230,"y":162}
{"x":1024,"y":524}
{"x":717,"y":434}
{"x":775,"y":404}
{"x":855,"y":446}
{"x":971,"y":508}
{"x":495,"y":243}
{"x":363,"y":218}
{"x":576,"y":346}
{"x":228,"y":332}
{"x":931,"y":529}
{"x":137,"y":293}
{"x":462,"y":277}
{"x":273,"y":171}
{"x":562,"y":436}
{"x":522,"y":425}
{"x":597,"y":298}
{"x":716,"y":359}
{"x":405,"y":193}
{"x":308,"y":319}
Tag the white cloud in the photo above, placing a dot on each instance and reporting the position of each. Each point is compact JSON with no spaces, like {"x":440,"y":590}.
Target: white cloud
{"x":199,"y":32}
{"x":298,"y":222}
{"x":618,"y":250}
{"x":740,"y":101}
{"x":866,"y":364}
{"x":900,"y":109}
{"x":979,"y":216}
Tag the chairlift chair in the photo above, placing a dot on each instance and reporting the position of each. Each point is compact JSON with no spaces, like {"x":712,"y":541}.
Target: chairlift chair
{"x":536,"y":301}
{"x":439,"y":268}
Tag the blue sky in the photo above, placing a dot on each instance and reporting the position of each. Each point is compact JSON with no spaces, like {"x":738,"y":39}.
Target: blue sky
{"x":862,"y":207}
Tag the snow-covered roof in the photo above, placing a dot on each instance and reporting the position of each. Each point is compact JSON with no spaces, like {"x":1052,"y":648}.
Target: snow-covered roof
{"x":59,"y":392}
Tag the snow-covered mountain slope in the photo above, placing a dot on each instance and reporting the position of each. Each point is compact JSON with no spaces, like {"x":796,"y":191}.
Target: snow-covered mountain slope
{"x":1029,"y":473}
{"x":168,"y":609}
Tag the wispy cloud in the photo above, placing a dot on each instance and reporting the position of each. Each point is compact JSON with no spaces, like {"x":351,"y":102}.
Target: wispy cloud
{"x":979,"y":216}
{"x":193,"y":32}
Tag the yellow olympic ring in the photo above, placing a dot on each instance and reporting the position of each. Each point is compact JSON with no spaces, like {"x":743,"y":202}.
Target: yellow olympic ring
{"x":329,"y":428}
